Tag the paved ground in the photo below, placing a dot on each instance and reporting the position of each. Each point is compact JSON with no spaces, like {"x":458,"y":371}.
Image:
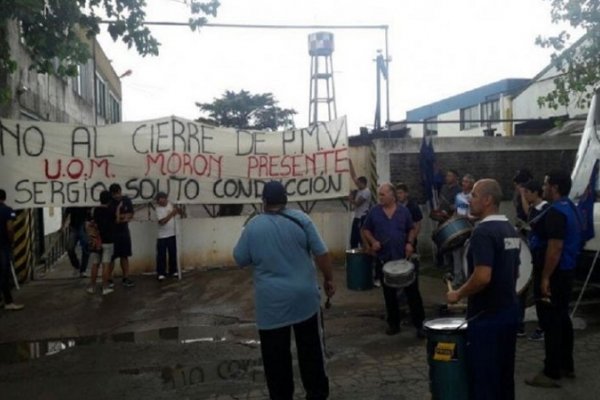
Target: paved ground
{"x":196,"y":339}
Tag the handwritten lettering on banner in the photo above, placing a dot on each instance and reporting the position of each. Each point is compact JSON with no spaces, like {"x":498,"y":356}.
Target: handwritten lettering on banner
{"x":52,"y":164}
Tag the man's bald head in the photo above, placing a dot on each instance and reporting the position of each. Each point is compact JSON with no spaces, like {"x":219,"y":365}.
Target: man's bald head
{"x":490,"y":187}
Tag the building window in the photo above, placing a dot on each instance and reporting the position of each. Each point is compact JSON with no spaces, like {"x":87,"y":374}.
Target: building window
{"x":100,"y":97}
{"x":114,"y":107}
{"x":431,"y":126}
{"x":469,"y":117}
{"x":490,"y":111}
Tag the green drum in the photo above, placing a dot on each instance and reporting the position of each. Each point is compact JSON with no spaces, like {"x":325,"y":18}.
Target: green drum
{"x":359,"y":270}
{"x":446,"y":348}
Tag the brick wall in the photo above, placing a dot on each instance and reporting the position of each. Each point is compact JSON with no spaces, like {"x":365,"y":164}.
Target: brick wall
{"x":499,"y":165}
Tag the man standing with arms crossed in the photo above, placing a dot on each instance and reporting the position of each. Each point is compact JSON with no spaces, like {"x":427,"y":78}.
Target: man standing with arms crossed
{"x":562,"y":229}
{"x":492,"y":310}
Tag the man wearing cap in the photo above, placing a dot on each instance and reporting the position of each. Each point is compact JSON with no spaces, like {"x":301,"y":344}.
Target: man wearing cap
{"x":280,"y":245}
{"x":166,"y":243}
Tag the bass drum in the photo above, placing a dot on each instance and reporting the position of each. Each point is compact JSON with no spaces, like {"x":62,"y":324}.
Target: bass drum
{"x":525,"y":268}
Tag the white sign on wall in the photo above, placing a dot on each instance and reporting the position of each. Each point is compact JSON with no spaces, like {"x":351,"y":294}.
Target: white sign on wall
{"x":50,"y":164}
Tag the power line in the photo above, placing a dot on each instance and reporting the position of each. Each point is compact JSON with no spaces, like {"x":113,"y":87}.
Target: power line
{"x":257,"y":26}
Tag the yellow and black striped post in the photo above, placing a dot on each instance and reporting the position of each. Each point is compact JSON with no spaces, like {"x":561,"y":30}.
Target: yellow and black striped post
{"x":372,"y":171}
{"x":22,"y":244}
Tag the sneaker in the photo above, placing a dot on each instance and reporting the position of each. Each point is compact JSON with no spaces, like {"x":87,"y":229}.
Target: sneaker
{"x":107,"y":290}
{"x":13,"y":307}
{"x":84,"y":274}
{"x":377,"y":283}
{"x":90,"y":289}
{"x":111,"y":284}
{"x":537,"y":335}
{"x":541,"y":380}
{"x":521,"y":333}
{"x":174,"y":275}
{"x":160,"y":278}
{"x":128,"y":282}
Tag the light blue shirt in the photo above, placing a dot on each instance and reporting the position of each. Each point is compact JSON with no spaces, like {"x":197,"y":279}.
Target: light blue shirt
{"x":285,"y":279}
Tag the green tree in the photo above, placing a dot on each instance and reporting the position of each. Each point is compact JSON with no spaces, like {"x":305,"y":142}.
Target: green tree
{"x":579,"y":64}
{"x":244,"y":110}
{"x":54,"y":31}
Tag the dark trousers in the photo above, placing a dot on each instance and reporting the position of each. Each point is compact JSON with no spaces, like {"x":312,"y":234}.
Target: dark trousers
{"x":277,"y":360}
{"x":5,"y":275}
{"x":491,"y":345}
{"x":355,"y":239}
{"x":413,"y":298}
{"x":556,"y":323}
{"x":166,"y":247}
{"x":78,"y":235}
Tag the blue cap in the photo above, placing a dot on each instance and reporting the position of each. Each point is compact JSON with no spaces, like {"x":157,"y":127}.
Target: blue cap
{"x":274,"y":193}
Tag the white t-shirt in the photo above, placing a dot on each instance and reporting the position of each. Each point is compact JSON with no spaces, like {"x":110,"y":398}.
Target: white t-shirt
{"x":461,"y":202}
{"x":362,"y":210}
{"x":168,"y":229}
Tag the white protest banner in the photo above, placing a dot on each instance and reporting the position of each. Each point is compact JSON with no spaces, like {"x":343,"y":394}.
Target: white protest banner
{"x":52,"y":164}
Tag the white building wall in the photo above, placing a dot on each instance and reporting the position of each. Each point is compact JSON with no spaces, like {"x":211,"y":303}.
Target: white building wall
{"x":525,"y":104}
{"x":453,"y":129}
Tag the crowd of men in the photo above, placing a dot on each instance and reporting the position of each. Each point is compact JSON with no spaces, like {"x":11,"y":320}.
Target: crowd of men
{"x":281,"y":244}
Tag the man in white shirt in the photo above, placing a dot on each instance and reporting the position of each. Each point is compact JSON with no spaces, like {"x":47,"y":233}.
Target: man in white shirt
{"x":361,"y":201}
{"x":166,"y":243}
{"x":462,"y":209}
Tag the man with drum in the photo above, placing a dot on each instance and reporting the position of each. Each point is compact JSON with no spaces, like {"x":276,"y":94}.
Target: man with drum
{"x":391,"y":234}
{"x":492,"y":310}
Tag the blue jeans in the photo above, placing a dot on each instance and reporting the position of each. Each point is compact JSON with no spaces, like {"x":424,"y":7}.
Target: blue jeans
{"x":164,"y":247}
{"x":78,"y":235}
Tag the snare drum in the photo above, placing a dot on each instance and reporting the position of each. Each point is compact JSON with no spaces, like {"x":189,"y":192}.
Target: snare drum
{"x":525,"y":267}
{"x":399,"y":273}
{"x":452,"y":233}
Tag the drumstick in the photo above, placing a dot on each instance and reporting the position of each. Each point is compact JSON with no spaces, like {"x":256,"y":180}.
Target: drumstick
{"x":449,"y":284}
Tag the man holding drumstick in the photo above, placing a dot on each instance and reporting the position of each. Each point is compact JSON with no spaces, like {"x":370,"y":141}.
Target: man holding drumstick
{"x":391,"y":234}
{"x":492,"y":310}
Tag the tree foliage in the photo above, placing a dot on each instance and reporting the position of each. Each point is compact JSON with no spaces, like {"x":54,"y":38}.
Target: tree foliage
{"x":244,"y":110}
{"x":53,"y":30}
{"x":579,"y":64}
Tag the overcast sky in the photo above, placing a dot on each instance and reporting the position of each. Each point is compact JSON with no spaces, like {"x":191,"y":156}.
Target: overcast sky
{"x":439,"y":48}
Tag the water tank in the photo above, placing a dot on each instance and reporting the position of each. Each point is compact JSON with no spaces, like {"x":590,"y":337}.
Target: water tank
{"x":320,"y":44}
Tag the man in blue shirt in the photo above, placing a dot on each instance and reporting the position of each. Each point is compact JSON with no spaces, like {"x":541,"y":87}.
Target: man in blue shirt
{"x":391,"y":234}
{"x":7,"y":215}
{"x":492,"y":310}
{"x":280,"y":244}
{"x":562,"y":236}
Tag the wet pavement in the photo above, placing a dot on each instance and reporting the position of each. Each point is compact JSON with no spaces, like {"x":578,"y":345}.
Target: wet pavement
{"x":196,"y":339}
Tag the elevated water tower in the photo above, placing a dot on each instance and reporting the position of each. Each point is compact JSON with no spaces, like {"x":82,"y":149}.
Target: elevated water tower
{"x":322,"y":89}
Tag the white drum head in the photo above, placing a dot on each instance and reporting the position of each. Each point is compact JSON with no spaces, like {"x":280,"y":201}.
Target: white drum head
{"x":525,"y":268}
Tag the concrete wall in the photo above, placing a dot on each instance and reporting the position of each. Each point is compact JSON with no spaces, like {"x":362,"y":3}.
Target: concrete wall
{"x":209,"y":242}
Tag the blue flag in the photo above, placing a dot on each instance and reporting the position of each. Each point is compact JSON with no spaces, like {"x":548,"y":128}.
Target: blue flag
{"x":426,"y":162}
{"x":585,"y":206}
